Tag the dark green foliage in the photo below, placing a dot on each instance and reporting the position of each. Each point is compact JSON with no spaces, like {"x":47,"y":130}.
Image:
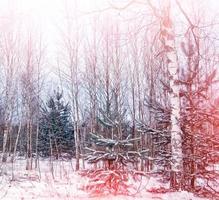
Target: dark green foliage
{"x":56,"y":129}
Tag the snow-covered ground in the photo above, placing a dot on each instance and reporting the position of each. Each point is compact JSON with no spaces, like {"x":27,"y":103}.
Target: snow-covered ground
{"x":65,"y":183}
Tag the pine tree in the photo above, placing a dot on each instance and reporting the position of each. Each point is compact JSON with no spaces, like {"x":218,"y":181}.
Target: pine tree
{"x":56,"y":130}
{"x":115,"y":154}
{"x":199,"y":116}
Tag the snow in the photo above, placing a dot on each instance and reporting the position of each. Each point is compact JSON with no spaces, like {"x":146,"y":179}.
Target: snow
{"x":65,"y":183}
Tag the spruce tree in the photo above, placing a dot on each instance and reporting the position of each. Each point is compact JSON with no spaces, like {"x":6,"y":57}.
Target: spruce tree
{"x":56,"y":129}
{"x":115,"y":155}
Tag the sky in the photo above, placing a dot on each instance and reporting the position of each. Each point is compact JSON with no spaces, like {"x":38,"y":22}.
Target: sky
{"x":48,"y":16}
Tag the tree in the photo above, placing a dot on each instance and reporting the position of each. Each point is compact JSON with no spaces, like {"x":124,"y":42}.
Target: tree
{"x":9,"y":61}
{"x":30,"y":81}
{"x":70,"y":63}
{"x":198,"y":113}
{"x":169,"y":51}
{"x":56,"y":129}
{"x":115,"y":154}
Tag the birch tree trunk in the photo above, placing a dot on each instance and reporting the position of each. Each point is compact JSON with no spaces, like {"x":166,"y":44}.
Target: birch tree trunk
{"x":5,"y":138}
{"x":16,"y":142}
{"x":168,"y":40}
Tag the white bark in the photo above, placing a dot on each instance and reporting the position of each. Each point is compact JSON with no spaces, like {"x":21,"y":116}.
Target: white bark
{"x":168,"y":37}
{"x":176,"y":132}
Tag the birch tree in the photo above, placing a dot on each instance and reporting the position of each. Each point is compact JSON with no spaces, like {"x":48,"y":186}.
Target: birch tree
{"x":32,"y":62}
{"x":69,"y":60}
{"x":169,"y":50}
{"x":9,"y":42}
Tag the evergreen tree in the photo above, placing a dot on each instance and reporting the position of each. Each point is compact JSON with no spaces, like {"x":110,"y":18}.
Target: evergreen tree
{"x":56,"y":130}
{"x":115,"y":154}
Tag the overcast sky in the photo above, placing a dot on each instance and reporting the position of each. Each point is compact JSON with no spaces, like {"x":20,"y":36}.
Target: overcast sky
{"x":48,"y":14}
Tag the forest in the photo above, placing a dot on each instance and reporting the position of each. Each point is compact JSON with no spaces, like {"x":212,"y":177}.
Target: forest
{"x":120,"y":101}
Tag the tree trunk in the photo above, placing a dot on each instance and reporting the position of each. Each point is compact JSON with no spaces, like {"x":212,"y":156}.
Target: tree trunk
{"x":5,"y":138}
{"x":77,"y":155}
{"x":16,"y":142}
{"x":168,"y":40}
{"x":37,"y":140}
{"x":29,"y":145}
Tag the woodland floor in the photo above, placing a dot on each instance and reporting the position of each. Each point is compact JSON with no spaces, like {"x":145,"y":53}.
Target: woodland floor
{"x":18,"y":183}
